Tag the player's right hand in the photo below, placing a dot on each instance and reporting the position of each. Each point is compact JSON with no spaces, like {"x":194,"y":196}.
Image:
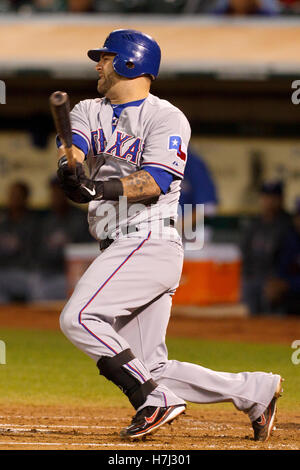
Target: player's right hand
{"x":75,"y":183}
{"x":68,"y":177}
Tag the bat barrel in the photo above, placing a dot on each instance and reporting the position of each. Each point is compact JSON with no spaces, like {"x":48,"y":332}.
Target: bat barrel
{"x":60,"y":109}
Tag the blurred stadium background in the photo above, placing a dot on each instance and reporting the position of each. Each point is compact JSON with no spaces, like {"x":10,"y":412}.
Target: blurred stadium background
{"x":231,"y":74}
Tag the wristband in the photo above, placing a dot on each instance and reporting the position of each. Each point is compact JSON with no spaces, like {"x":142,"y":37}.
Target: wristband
{"x":112,"y":190}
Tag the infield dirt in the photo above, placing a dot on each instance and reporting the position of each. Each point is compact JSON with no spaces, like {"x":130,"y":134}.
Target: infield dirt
{"x":95,"y":428}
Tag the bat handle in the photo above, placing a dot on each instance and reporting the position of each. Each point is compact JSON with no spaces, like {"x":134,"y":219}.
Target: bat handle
{"x":70,"y":158}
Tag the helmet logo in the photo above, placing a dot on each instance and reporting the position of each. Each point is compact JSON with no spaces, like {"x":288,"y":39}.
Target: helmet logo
{"x":128,"y":37}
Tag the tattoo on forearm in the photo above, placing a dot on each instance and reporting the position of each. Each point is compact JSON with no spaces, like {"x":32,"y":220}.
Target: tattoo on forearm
{"x":140,"y":186}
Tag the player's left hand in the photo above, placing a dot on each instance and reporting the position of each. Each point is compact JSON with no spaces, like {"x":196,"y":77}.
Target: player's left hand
{"x":76,"y":185}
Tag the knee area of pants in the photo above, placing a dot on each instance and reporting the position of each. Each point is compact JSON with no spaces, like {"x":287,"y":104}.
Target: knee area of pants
{"x":67,"y":321}
{"x":156,"y":371}
{"x":62,"y":322}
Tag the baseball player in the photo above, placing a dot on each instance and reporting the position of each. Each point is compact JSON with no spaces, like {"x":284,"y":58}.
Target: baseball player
{"x":135,"y":145}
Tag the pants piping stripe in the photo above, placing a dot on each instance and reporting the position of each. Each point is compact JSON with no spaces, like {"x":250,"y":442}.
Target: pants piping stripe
{"x":165,"y":399}
{"x":137,"y":372}
{"x":100,"y":288}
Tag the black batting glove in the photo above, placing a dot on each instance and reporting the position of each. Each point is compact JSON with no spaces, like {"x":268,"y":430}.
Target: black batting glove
{"x":68,"y":177}
{"x":76,"y":185}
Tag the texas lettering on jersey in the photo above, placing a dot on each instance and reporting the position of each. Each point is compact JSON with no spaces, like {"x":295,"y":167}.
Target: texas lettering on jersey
{"x":123,"y":146}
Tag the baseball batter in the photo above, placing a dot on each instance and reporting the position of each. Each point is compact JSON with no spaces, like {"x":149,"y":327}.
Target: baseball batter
{"x":134,"y":145}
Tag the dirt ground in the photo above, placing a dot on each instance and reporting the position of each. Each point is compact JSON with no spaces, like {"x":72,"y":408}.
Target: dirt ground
{"x":75,"y":428}
{"x":200,"y":428}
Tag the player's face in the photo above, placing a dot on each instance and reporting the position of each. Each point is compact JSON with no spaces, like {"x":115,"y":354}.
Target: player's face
{"x":107,"y":76}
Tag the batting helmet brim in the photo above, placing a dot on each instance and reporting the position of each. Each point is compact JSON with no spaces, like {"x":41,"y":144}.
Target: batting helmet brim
{"x":95,"y":54}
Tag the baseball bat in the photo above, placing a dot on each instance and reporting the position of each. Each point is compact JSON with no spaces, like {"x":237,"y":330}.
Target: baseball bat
{"x":60,"y":109}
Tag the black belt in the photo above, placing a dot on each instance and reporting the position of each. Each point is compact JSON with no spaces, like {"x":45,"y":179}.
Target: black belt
{"x":106,"y":242}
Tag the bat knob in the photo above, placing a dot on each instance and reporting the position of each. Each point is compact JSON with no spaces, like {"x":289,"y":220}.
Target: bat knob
{"x":58,"y":98}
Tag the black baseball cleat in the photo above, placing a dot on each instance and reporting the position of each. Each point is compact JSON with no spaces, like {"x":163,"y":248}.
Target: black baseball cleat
{"x":263,"y":425}
{"x":149,"y":419}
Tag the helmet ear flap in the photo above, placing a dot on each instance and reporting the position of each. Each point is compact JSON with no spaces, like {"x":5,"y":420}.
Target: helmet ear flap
{"x":116,"y":63}
{"x":124,"y":66}
{"x":130,"y":65}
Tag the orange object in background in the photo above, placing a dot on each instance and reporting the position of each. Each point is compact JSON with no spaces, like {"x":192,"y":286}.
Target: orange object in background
{"x":210,"y":276}
{"x":195,"y":284}
{"x":226,"y":282}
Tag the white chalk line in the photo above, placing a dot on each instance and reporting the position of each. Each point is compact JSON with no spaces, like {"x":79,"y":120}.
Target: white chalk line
{"x":200,"y":425}
{"x":54,"y":426}
{"x":60,"y":417}
{"x":83,"y":418}
{"x":77,"y":444}
{"x":254,"y":447}
{"x":137,"y":444}
{"x":95,"y":426}
{"x":40,"y":427}
{"x":9,"y":429}
{"x":15,"y":427}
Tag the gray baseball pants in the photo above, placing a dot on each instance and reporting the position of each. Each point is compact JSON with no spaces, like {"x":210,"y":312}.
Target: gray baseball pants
{"x":123,"y":301}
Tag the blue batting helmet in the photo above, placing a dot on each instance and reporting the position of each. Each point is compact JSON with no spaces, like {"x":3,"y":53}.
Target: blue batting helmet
{"x":136,"y":53}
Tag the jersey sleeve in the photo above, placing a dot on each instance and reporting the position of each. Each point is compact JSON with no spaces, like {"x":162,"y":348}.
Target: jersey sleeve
{"x":165,"y":146}
{"x":80,"y":128}
{"x":162,"y":177}
{"x":80,"y":123}
{"x":78,"y":141}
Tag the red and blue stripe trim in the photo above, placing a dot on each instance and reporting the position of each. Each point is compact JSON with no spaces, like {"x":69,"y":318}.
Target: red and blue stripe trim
{"x":163,"y":166}
{"x":98,"y":291}
{"x":78,"y":131}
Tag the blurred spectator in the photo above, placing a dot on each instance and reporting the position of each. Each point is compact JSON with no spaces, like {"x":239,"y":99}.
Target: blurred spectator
{"x":62,"y":224}
{"x":17,"y":226}
{"x":32,"y":6}
{"x":140,"y":6}
{"x":199,"y":6}
{"x":197,"y":188}
{"x":85,"y":6}
{"x":165,"y":6}
{"x":5,"y":6}
{"x":290,"y":7}
{"x":284,"y":291}
{"x":49,"y":6}
{"x":80,"y":6}
{"x":247,"y":7}
{"x":233,"y":7}
{"x":260,"y":248}
{"x":121,"y":6}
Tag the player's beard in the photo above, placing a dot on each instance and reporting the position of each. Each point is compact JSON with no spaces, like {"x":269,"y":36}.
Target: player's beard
{"x":105,"y":83}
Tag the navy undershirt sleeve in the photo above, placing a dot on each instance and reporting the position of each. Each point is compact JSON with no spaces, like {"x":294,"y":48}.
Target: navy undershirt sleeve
{"x":162,"y":177}
{"x":78,"y":141}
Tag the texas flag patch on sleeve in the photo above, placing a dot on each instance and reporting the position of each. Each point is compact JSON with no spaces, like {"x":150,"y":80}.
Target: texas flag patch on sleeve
{"x":175,"y":143}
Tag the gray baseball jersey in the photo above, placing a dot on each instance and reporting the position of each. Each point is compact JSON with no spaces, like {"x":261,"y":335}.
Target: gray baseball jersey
{"x":154,"y":134}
